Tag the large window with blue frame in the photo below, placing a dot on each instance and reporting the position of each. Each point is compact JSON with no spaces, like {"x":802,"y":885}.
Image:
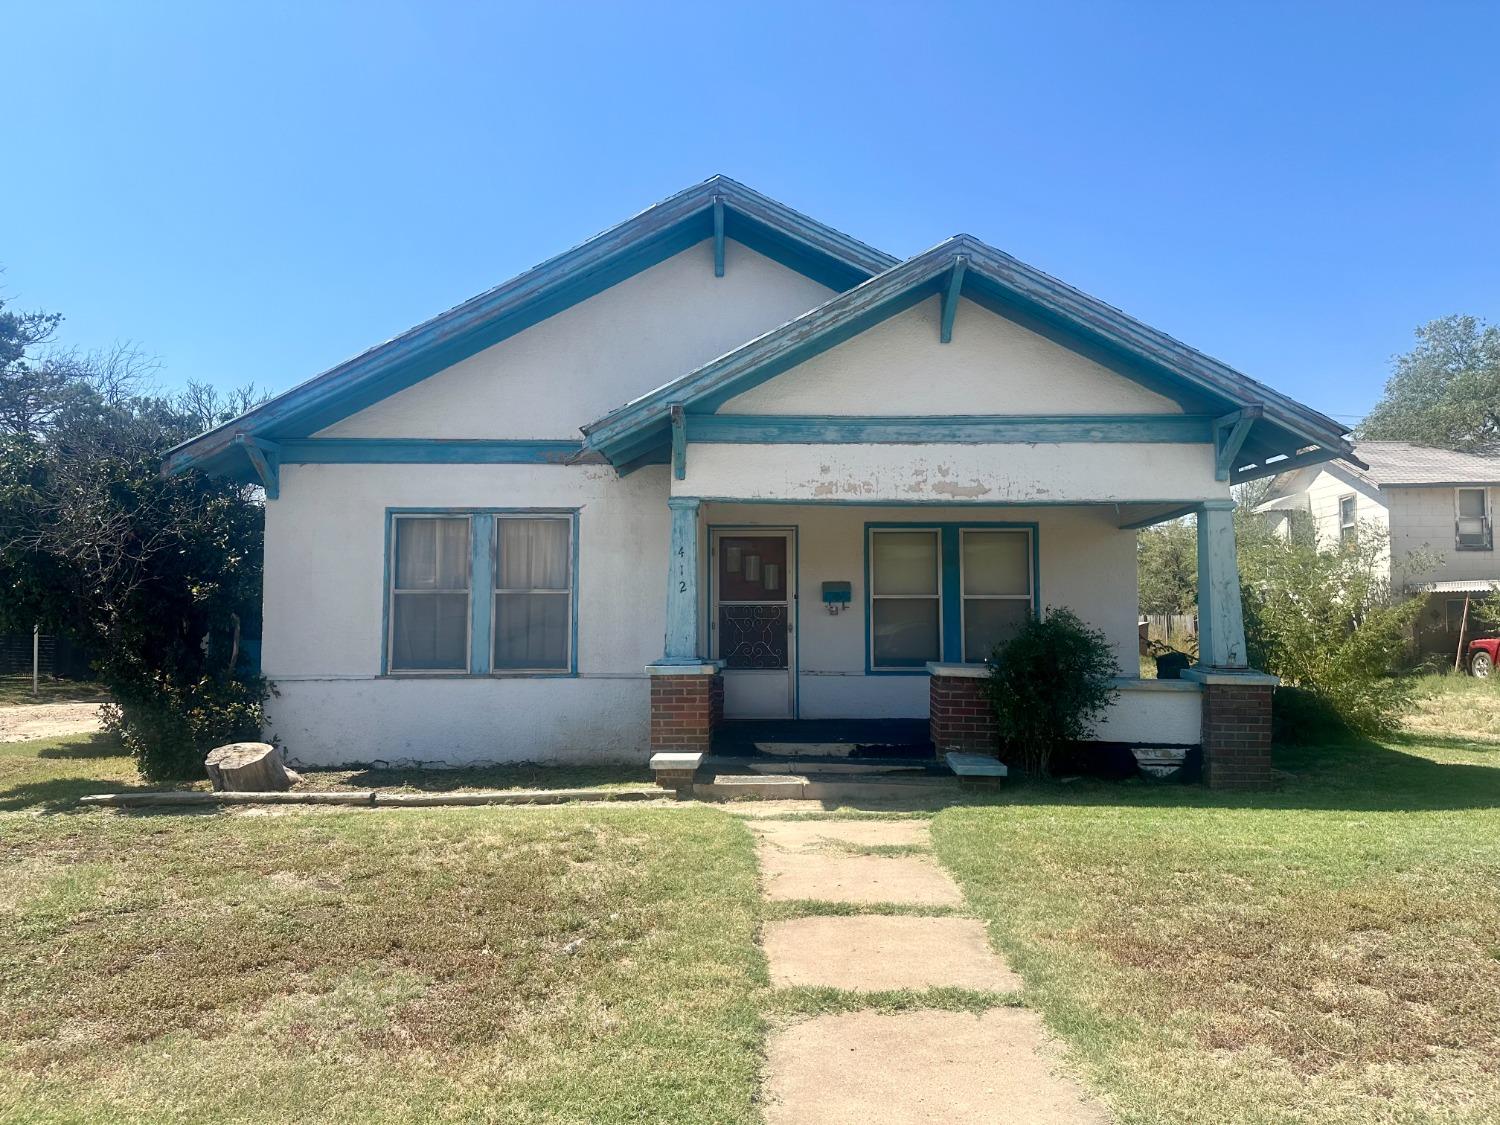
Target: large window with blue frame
{"x":481,"y":592}
{"x":946,"y":592}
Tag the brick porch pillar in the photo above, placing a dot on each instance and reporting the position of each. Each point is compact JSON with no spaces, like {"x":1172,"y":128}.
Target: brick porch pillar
{"x":687,"y":702}
{"x":959,"y":715}
{"x":1236,"y":731}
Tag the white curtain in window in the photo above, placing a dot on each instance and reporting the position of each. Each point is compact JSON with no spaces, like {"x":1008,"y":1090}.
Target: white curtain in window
{"x":430,"y":601}
{"x":533,"y":601}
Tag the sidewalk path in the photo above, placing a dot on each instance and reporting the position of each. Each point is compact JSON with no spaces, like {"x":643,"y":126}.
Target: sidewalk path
{"x":894,"y":1068}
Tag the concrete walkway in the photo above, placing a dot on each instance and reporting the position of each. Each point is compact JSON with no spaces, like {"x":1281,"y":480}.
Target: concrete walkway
{"x":874,"y":1067}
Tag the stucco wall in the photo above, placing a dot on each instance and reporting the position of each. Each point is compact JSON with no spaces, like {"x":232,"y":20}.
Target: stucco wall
{"x":576,"y":366}
{"x":991,"y":366}
{"x":1015,"y":473}
{"x":1155,"y":713}
{"x":1087,"y":564}
{"x":325,"y":575}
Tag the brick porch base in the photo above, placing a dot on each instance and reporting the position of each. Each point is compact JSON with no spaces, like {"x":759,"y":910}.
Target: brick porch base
{"x":959,"y":716}
{"x":1236,"y":730}
{"x":687,"y":703}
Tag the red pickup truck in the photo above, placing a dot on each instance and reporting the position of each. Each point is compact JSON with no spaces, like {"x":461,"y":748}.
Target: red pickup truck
{"x":1484,"y":654}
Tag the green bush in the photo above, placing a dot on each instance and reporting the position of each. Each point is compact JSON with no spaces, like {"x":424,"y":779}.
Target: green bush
{"x":1303,"y":718}
{"x":1325,"y":621}
{"x":170,"y":730}
{"x":1049,"y":685}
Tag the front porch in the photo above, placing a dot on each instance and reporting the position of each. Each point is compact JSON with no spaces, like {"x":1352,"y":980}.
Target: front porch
{"x":841,"y":635}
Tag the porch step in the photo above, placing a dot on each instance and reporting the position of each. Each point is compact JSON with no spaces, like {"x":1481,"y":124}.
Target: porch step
{"x":823,"y":787}
{"x":772,"y":764}
{"x":825,"y":739}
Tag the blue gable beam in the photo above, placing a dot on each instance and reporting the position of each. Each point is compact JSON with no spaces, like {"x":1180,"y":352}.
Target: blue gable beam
{"x":1230,"y":433}
{"x":972,"y":429}
{"x":679,"y":443}
{"x":718,"y":236}
{"x":426,"y":451}
{"x":265,"y":459}
{"x":950,"y":299}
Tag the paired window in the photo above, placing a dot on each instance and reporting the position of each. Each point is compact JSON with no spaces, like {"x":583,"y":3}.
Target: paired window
{"x":1348,"y":524}
{"x":1473,"y":530}
{"x":481,"y":592}
{"x":947,"y":592}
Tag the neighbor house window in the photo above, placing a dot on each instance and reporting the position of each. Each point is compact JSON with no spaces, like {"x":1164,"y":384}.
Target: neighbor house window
{"x":905,"y":598}
{"x":430,"y":568}
{"x":1348,"y":527}
{"x":533,"y":612}
{"x":1473,"y":529}
{"x":996,"y":588}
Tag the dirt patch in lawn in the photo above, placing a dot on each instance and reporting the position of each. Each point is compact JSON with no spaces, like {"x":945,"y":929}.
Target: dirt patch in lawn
{"x":48,"y":720}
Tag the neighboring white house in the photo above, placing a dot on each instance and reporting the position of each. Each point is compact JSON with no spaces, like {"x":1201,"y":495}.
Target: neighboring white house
{"x":725,"y":461}
{"x":1435,"y":507}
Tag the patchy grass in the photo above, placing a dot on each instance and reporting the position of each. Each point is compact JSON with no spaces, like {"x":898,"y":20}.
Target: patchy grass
{"x":1327,"y":952}
{"x":1454,"y":707}
{"x":549,"y":965}
{"x":16,"y":691}
{"x":521,"y":776}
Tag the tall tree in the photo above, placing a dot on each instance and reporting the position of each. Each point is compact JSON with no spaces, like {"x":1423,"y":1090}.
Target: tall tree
{"x":1446,"y":390}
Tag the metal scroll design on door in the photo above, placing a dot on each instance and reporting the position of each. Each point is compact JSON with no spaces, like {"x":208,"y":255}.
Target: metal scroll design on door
{"x":753,"y":636}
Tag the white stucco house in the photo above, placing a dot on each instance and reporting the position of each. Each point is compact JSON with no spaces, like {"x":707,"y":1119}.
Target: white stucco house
{"x":1434,"y":508}
{"x":724,"y":464}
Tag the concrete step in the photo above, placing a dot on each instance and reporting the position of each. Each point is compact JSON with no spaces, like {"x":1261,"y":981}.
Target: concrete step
{"x":781,"y":765}
{"x":822,"y":787}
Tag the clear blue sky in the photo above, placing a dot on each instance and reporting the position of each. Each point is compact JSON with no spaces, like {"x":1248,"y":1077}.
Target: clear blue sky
{"x":255,"y":192}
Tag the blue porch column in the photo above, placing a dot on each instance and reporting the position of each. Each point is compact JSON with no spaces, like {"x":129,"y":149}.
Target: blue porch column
{"x":682,"y":583}
{"x":1221,"y":622}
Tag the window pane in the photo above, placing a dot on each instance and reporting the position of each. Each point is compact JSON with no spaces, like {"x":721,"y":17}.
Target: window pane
{"x":904,"y":562}
{"x":996,"y":562}
{"x":430,"y":631}
{"x":432,"y":554}
{"x":1471,"y":502}
{"x":1346,"y":511}
{"x":905,"y":632}
{"x":988,"y":622}
{"x":531,"y":630}
{"x":533,"y":554}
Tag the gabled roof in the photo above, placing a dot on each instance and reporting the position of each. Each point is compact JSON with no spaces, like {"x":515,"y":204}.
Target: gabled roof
{"x":1404,"y":463}
{"x":717,"y":208}
{"x":1282,"y":430}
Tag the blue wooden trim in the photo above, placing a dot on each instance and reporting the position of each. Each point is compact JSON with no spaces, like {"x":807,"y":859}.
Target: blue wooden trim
{"x":950,"y":299}
{"x":718,"y":236}
{"x":710,"y":566}
{"x":265,"y":459}
{"x":481,"y":593}
{"x":679,"y":443}
{"x":950,"y":589}
{"x":426,"y":451}
{"x":1230,"y":433}
{"x":849,"y":502}
{"x":683,"y":634}
{"x":971,"y":429}
{"x":1299,"y":461}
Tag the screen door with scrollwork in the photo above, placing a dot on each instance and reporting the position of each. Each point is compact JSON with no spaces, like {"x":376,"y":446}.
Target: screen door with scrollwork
{"x":754,"y":621}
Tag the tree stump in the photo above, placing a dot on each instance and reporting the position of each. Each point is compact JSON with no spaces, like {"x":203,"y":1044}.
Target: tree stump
{"x":248,"y":767}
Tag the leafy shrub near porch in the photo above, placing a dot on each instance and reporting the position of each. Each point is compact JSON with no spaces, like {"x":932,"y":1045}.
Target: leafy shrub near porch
{"x":1049,"y":685}
{"x":1325,"y":621}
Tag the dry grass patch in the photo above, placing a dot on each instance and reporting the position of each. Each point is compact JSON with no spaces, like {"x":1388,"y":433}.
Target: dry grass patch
{"x":1326,"y":952}
{"x":507,"y":965}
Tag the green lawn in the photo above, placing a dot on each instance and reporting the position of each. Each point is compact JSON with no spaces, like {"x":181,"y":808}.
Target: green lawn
{"x":1329,"y":952}
{"x":17,"y":690}
{"x":568,"y":965}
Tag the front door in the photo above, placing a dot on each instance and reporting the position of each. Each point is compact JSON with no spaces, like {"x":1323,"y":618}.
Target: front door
{"x":754,"y":621}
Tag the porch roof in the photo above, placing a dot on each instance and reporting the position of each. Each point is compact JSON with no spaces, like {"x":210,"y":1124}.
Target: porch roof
{"x":1275,"y":431}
